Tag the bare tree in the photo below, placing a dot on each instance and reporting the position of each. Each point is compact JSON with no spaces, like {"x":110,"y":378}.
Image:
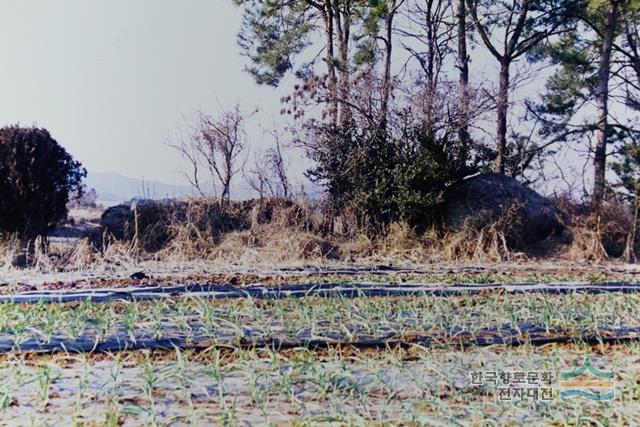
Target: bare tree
{"x":259,"y":179}
{"x":190,"y":153}
{"x":430,"y":31}
{"x":279,"y":167}
{"x":269,"y":173}
{"x":216,"y":144}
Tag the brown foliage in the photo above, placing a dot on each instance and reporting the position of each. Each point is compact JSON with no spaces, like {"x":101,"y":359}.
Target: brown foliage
{"x":595,"y":236}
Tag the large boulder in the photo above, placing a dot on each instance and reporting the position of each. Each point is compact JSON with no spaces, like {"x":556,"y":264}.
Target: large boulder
{"x":484,"y":198}
{"x":118,"y":220}
{"x":114,"y":220}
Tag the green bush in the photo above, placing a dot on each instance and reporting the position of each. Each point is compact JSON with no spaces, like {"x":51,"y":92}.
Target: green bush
{"x":386,"y":178}
{"x":425,"y":167}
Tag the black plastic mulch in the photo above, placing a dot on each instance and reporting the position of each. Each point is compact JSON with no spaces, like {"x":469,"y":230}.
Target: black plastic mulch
{"x":198,"y":337}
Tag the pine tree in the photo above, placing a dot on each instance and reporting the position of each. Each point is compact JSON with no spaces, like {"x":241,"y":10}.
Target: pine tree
{"x":520,"y":27}
{"x":275,"y":32}
{"x":593,"y":53}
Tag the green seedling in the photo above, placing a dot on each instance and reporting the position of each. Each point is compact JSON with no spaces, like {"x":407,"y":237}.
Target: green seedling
{"x":46,"y":376}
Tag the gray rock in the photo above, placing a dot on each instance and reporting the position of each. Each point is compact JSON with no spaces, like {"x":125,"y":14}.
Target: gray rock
{"x":116,"y":220}
{"x":483,"y":198}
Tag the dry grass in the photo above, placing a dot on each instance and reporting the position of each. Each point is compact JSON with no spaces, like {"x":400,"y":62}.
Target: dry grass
{"x":267,"y":244}
{"x":488,"y":243}
{"x":586,"y":245}
{"x":402,"y":243}
{"x":9,"y":249}
{"x":593,"y":236}
{"x":82,"y":255}
{"x":270,"y":231}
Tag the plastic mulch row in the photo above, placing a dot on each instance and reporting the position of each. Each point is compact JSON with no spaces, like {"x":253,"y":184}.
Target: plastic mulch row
{"x":327,"y":290}
{"x":172,"y":336}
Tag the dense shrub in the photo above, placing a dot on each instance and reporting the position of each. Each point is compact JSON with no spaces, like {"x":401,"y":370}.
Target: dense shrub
{"x":356,"y":168}
{"x":388,"y":177}
{"x":37,"y":179}
{"x":426,"y":165}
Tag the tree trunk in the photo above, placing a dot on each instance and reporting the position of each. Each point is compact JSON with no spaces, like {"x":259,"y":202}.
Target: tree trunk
{"x":630,"y":248}
{"x":225,"y":196}
{"x":502,"y":108}
{"x":602,"y":100}
{"x":463,"y":66}
{"x":430,"y":66}
{"x":342,"y":25}
{"x":327,"y":17}
{"x":386,"y":79}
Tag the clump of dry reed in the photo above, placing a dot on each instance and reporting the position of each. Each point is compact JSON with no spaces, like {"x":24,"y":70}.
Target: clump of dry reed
{"x":9,"y":251}
{"x":595,"y":236}
{"x":494,"y":241}
{"x":277,"y":230}
{"x":486,"y":238}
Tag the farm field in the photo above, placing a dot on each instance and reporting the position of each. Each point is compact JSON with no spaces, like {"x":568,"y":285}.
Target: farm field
{"x":320,"y":213}
{"x":414,"y":386}
{"x":324,"y":345}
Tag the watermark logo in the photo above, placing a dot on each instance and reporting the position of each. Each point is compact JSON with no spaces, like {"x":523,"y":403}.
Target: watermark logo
{"x":517,"y":385}
{"x":588,"y":382}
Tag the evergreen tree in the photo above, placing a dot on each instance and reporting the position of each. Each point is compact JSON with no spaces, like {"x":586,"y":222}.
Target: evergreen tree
{"x":509,"y":31}
{"x":275,"y":32}
{"x":589,"y":56}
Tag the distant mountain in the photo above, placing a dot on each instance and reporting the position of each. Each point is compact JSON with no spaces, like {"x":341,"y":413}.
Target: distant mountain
{"x":113,"y":188}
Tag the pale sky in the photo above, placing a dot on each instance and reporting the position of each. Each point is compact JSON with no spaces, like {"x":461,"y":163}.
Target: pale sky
{"x":112,"y":80}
